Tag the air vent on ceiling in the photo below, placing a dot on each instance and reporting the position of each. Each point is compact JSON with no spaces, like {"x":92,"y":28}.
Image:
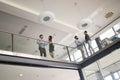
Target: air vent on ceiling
{"x":23,"y":29}
{"x":46,"y":17}
{"x":85,"y":23}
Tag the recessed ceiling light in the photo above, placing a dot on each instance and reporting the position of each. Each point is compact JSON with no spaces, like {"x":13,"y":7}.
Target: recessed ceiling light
{"x":85,"y":23}
{"x":37,"y":75}
{"x":20,"y":75}
{"x":75,"y":3}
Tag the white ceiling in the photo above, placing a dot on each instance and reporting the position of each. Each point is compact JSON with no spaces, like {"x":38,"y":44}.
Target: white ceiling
{"x":68,"y":14}
{"x":12,"y":72}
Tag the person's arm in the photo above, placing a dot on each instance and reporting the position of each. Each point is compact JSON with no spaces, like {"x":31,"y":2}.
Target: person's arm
{"x":37,"y":41}
{"x":46,"y":43}
{"x":75,"y":44}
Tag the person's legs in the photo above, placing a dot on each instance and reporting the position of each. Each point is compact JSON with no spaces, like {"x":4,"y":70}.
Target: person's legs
{"x":44,"y":52}
{"x":82,"y":51}
{"x":41,"y":51}
{"x":90,"y":47}
{"x":52,"y":54}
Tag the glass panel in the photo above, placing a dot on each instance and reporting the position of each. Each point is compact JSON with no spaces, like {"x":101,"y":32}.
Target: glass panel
{"x":117,"y":29}
{"x":92,"y":72}
{"x":108,"y":77}
{"x":94,"y":45}
{"x":5,"y":41}
{"x":108,"y":34}
{"x":116,"y":75}
{"x":71,"y":52}
{"x":60,"y":52}
{"x":25,"y":45}
{"x":77,"y":54}
{"x":119,"y":73}
{"x":107,"y":37}
{"x":111,"y":63}
{"x":28,"y":47}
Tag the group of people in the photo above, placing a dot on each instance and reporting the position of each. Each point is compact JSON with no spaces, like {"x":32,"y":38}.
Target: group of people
{"x":42,"y":45}
{"x":80,"y":44}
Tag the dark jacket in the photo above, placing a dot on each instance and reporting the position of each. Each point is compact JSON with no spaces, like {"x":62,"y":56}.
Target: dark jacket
{"x":87,"y":38}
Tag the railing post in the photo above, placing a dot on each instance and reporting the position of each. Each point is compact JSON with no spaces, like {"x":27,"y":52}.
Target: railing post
{"x":68,"y":53}
{"x":12,"y":36}
{"x":98,"y":42}
{"x":81,"y":74}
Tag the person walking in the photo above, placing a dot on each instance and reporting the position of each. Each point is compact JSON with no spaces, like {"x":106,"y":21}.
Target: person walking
{"x":79,"y":46}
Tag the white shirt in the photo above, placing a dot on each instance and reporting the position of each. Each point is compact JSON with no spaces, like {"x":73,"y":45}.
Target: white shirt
{"x":41,"y":43}
{"x":77,"y":42}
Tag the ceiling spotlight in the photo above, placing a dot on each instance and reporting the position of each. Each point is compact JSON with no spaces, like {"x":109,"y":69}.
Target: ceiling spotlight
{"x":75,"y":3}
{"x":20,"y":75}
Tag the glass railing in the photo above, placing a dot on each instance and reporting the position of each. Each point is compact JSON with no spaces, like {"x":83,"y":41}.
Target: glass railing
{"x":28,"y":47}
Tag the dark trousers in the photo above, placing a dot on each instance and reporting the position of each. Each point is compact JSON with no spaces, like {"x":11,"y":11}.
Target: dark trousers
{"x":42,"y":51}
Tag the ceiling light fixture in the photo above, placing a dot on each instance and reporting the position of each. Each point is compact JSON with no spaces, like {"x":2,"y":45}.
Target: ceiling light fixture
{"x":109,"y":14}
{"x":85,"y":23}
{"x":20,"y":75}
{"x":46,"y":17}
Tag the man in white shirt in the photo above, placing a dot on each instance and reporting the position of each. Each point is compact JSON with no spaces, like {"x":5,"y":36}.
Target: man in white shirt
{"x":42,"y":45}
{"x":79,"y":46}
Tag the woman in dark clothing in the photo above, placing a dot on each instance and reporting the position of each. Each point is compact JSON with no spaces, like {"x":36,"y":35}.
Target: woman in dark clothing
{"x":51,"y":46}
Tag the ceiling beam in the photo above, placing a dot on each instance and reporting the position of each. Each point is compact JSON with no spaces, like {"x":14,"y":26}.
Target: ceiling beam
{"x":24,"y":61}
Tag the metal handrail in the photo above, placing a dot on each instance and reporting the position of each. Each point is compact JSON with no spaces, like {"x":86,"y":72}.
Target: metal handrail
{"x":33,"y":38}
